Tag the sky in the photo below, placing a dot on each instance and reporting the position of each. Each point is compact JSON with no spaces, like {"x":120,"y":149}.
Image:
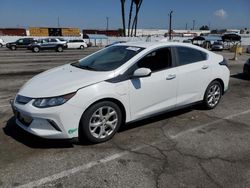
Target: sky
{"x":91,"y":14}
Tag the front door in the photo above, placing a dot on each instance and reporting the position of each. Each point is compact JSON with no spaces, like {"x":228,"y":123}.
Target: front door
{"x":155,"y":93}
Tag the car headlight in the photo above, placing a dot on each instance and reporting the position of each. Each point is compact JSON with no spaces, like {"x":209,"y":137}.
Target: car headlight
{"x":52,"y":101}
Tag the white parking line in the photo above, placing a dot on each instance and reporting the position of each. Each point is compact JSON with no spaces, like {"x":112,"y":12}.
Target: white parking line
{"x":89,"y":165}
{"x":3,"y":106}
{"x":208,"y":124}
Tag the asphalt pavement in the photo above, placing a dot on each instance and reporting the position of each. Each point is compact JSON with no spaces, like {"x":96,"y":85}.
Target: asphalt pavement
{"x":186,"y":148}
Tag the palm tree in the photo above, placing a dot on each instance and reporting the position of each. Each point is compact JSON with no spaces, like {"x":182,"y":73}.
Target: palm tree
{"x":130,"y":16}
{"x":123,"y":16}
{"x":138,"y":4}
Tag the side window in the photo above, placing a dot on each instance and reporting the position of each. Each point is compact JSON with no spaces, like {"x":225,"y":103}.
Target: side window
{"x":189,"y":55}
{"x":157,"y":60}
{"x":53,"y":40}
{"x":20,"y":41}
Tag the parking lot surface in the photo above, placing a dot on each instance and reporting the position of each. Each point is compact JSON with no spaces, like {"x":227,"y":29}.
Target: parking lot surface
{"x":185,"y":148}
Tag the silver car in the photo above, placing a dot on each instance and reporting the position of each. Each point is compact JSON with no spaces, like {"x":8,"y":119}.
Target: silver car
{"x":217,"y":46}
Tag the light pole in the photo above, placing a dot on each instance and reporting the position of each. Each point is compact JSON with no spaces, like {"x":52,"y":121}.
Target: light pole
{"x":170,"y":25}
{"x":58,"y":22}
{"x":193,"y":24}
{"x":107,"y":28}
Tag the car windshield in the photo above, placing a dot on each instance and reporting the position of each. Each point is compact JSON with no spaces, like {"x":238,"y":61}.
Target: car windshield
{"x":109,"y":58}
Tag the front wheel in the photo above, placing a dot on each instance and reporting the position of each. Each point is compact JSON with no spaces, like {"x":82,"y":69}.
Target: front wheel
{"x":100,"y":122}
{"x":1,"y":45}
{"x":212,"y":95}
{"x":36,"y":49}
{"x":82,"y":47}
{"x":13,"y":47}
{"x":59,"y":49}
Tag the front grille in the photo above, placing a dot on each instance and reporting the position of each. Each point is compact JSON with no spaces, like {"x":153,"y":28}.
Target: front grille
{"x":22,"y":99}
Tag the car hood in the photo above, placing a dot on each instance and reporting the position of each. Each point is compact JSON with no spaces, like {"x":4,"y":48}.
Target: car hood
{"x":62,"y":80}
{"x":10,"y":43}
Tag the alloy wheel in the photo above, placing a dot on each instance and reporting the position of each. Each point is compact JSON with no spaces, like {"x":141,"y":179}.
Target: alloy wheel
{"x":103,"y":122}
{"x":214,"y":95}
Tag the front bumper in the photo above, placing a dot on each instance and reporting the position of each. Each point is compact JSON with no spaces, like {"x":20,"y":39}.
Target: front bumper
{"x":60,"y":122}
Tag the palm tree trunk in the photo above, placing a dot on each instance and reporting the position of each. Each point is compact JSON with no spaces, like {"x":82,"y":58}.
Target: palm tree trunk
{"x":130,"y":16}
{"x":134,"y":25}
{"x":123,"y":17}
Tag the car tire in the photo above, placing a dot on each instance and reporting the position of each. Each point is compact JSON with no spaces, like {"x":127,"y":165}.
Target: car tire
{"x":100,"y":122}
{"x":59,"y":49}
{"x":1,"y":45}
{"x":13,"y":47}
{"x":212,"y":95}
{"x":82,"y":47}
{"x":36,"y":49}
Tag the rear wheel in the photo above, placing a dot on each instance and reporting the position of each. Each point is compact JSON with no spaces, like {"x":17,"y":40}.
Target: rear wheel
{"x":1,"y":45}
{"x":212,"y":95}
{"x":82,"y":47}
{"x":100,"y":122}
{"x":59,"y":49}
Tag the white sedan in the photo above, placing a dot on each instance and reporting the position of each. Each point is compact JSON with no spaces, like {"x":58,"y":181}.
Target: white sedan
{"x":93,"y":97}
{"x":77,"y":44}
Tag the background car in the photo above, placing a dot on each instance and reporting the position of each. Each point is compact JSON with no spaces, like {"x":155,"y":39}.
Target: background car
{"x":248,"y":49}
{"x":20,"y":43}
{"x":246,"y":68}
{"x":48,"y":44}
{"x":77,"y":44}
{"x":91,"y":98}
{"x":217,"y":46}
{"x":2,"y":43}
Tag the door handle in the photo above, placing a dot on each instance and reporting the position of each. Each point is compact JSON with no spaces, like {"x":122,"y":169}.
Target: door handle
{"x":171,"y":76}
{"x":205,"y":66}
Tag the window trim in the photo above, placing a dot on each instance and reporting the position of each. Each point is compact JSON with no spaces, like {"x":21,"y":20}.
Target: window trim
{"x":177,"y":55}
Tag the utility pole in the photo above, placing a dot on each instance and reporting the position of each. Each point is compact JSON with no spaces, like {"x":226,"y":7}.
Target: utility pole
{"x":170,"y":25}
{"x":193,"y":24}
{"x":186,"y":26}
{"x":107,"y":28}
{"x":58,"y":22}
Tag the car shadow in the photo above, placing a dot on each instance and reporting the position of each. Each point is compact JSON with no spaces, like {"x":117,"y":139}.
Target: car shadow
{"x":240,"y":76}
{"x":156,"y":118}
{"x":14,"y":131}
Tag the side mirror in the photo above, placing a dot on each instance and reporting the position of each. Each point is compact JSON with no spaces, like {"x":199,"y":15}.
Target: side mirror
{"x":142,"y":72}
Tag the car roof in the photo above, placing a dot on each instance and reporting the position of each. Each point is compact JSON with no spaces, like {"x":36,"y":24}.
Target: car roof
{"x":156,"y":44}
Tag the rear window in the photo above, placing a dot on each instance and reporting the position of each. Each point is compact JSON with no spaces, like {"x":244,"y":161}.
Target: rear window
{"x":188,"y":55}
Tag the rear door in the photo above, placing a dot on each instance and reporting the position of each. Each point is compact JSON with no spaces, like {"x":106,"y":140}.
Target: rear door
{"x":155,"y":93}
{"x":194,"y":74}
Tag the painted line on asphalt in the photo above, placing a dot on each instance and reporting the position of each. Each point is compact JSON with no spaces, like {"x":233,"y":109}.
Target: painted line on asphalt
{"x":3,"y":106}
{"x":115,"y":156}
{"x":208,"y":124}
{"x":87,"y":166}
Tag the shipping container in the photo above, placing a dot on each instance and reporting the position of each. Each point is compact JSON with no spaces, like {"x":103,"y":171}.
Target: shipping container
{"x":55,"y":32}
{"x":71,"y":32}
{"x":111,"y":33}
{"x":39,"y":31}
{"x":13,"y":31}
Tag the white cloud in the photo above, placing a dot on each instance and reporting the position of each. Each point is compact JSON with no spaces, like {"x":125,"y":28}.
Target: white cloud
{"x":221,"y":13}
